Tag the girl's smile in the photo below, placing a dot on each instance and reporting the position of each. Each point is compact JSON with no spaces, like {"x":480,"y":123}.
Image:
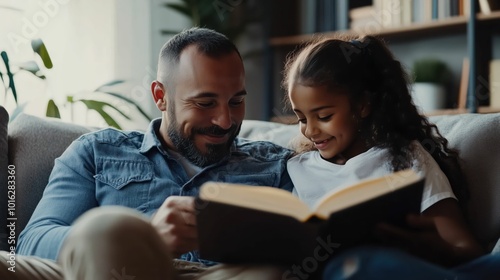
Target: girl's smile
{"x":320,"y":145}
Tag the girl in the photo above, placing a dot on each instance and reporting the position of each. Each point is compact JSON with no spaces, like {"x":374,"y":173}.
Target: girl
{"x":352,"y":100}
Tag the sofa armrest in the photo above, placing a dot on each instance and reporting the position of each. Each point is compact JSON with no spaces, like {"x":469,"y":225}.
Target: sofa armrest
{"x":34,"y":144}
{"x":4,"y":162}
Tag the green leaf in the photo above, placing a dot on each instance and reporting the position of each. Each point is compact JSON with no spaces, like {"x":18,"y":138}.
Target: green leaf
{"x":108,"y":84}
{"x":18,"y":110}
{"x":98,"y":106}
{"x":39,"y":48}
{"x":52,"y":110}
{"x":30,"y":66}
{"x":130,"y":101}
{"x":9,"y":7}
{"x":169,"y":32}
{"x":431,"y":70}
{"x":12,"y":85}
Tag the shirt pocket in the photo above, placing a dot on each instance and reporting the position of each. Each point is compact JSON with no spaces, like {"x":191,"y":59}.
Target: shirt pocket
{"x":123,"y":182}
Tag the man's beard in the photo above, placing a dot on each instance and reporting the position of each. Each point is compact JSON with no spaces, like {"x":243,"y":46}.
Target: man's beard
{"x":186,"y":146}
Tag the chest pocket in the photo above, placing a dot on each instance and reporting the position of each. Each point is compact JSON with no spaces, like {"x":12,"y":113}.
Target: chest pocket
{"x":122,"y":182}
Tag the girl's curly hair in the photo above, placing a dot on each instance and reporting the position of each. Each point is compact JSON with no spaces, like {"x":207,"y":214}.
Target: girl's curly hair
{"x":366,"y":68}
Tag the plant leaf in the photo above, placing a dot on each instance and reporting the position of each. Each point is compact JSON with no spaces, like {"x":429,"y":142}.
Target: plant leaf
{"x":98,"y":106}
{"x":12,"y":85}
{"x":32,"y":67}
{"x":39,"y":48}
{"x":18,"y":110}
{"x":169,"y":32}
{"x":108,"y":84}
{"x":130,"y":101}
{"x":29,"y":66}
{"x":52,"y":110}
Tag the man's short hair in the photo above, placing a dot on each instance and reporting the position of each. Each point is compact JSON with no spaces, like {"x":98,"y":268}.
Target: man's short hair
{"x":209,"y":42}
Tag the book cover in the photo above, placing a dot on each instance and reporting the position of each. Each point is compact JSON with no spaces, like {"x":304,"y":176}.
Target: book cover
{"x":269,"y":225}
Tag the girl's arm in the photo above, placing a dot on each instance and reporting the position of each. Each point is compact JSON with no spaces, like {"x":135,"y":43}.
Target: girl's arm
{"x":440,"y":235}
{"x":449,"y":223}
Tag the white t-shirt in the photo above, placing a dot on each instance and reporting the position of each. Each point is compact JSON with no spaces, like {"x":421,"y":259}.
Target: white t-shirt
{"x":312,"y":176}
{"x":189,"y":167}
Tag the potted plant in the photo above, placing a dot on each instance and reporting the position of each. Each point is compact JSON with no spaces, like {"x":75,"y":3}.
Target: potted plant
{"x":8,"y":70}
{"x":429,"y":88}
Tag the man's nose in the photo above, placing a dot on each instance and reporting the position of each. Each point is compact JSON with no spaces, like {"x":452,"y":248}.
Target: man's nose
{"x":222,"y":117}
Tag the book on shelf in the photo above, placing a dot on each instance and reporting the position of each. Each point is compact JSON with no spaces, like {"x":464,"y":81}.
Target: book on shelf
{"x":495,"y":83}
{"x":464,"y":85}
{"x":258,"y":224}
{"x":397,"y":13}
{"x":487,"y":6}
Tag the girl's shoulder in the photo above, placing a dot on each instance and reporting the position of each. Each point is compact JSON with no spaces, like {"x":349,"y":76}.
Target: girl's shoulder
{"x":421,"y":158}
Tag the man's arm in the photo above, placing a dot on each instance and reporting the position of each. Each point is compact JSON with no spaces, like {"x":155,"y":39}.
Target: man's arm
{"x":69,"y":193}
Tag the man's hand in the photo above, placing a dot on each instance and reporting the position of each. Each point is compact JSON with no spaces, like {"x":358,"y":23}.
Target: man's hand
{"x":175,"y":220}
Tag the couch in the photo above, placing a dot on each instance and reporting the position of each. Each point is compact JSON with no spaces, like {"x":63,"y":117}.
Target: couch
{"x":29,"y":145}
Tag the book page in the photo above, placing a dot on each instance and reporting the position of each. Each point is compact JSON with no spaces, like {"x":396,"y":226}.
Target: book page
{"x":363,"y":191}
{"x":256,"y":197}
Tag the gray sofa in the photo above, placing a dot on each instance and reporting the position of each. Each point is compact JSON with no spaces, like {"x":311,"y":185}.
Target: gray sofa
{"x":30,"y":144}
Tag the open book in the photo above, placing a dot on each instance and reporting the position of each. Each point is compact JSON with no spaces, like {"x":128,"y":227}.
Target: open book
{"x":239,"y":223}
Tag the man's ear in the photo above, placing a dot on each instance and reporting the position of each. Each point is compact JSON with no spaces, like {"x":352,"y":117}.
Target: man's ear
{"x":158,"y":92}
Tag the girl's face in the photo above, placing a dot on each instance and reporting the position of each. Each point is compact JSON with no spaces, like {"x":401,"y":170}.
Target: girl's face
{"x":327,"y":119}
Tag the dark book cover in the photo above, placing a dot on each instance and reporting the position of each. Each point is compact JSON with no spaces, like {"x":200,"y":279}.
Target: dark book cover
{"x":232,"y":234}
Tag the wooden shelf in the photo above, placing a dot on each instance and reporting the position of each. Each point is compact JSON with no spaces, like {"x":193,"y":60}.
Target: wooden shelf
{"x":292,"y":119}
{"x":480,"y":110}
{"x":495,"y":15}
{"x":449,"y":25}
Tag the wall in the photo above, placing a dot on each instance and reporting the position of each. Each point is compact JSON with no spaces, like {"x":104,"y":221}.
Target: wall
{"x":91,"y":42}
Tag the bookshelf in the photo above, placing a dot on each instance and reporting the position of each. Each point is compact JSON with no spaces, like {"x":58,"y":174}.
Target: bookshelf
{"x":479,"y":31}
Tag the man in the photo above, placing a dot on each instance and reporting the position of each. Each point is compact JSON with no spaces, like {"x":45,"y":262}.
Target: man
{"x":150,"y":179}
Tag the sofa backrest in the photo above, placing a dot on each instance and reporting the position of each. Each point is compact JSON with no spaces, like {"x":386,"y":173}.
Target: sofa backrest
{"x":34,"y":143}
{"x":476,"y":136}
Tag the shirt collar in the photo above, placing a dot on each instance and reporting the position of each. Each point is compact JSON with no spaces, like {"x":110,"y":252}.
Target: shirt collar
{"x":151,"y":138}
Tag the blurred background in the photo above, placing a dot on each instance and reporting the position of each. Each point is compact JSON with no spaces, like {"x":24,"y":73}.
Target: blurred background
{"x":92,"y":61}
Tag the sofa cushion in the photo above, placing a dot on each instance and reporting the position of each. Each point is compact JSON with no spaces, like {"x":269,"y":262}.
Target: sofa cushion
{"x":34,"y":143}
{"x":4,"y":162}
{"x":477,"y":137}
{"x":277,"y":133}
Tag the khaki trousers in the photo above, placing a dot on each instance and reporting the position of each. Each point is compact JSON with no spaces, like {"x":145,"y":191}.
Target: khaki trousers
{"x":117,"y":243}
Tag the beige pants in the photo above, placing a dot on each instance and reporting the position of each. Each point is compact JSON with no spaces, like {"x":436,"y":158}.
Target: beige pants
{"x":117,"y":243}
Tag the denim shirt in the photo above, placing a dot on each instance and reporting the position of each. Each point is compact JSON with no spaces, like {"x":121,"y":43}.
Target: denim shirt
{"x":133,"y":169}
